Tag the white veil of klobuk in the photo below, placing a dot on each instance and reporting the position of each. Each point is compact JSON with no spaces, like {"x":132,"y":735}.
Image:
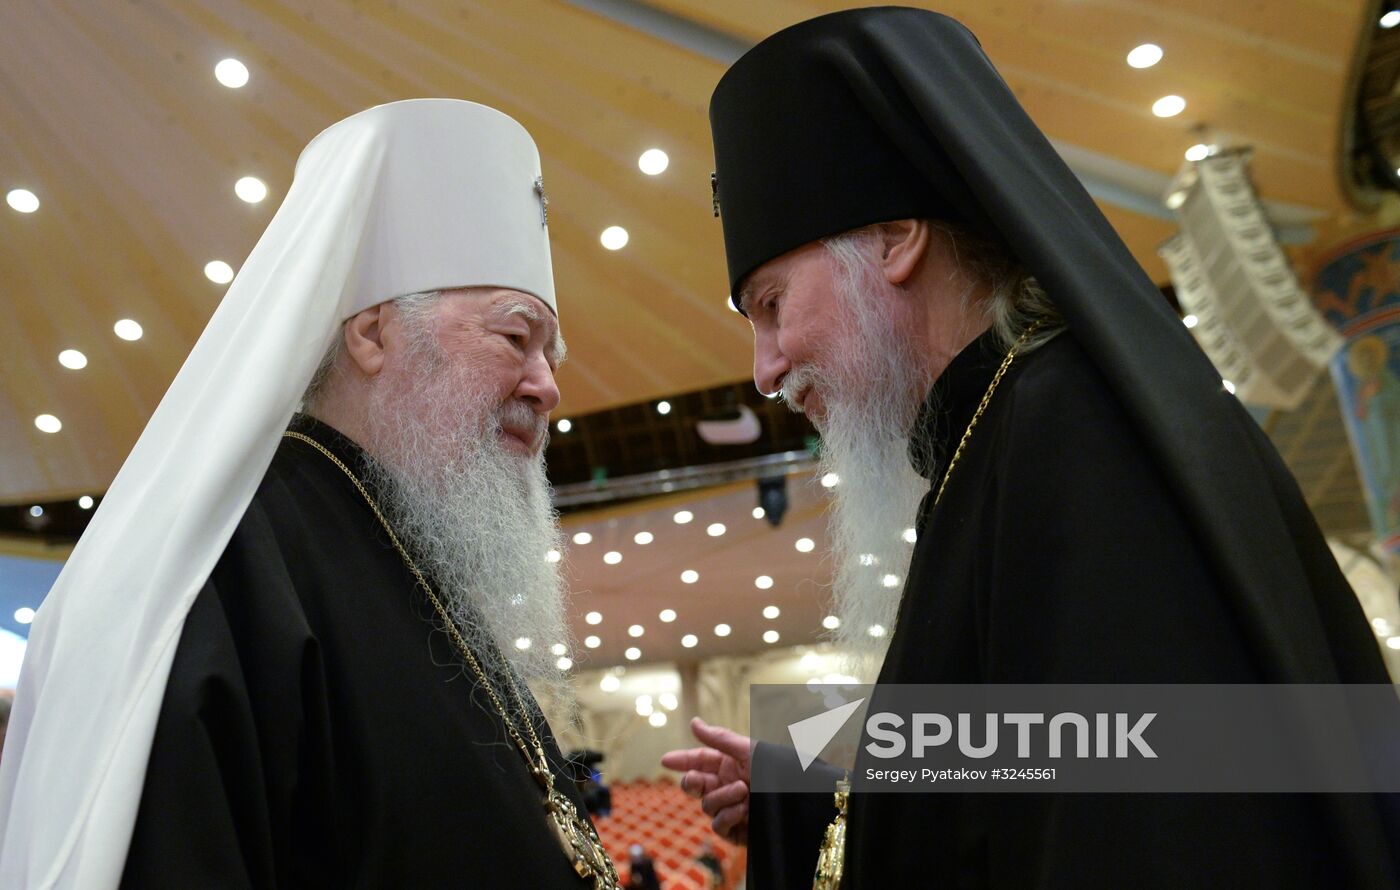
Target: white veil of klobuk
{"x":410,"y":196}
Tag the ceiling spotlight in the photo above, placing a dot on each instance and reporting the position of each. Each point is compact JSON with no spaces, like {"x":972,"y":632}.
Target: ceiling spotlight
{"x":830,"y":480}
{"x":218,"y":271}
{"x":683,"y":517}
{"x":1229,"y":387}
{"x":770,"y":636}
{"x":876,"y":630}
{"x":715,"y":530}
{"x":643,"y":538}
{"x":657,"y":718}
{"x":564,"y":663}
{"x":763,"y":582}
{"x":72,"y":358}
{"x":1190,"y":321}
{"x":609,"y":683}
{"x":592,"y":642}
{"x":722,"y":630}
{"x":85,"y":503}
{"x":231,"y":73}
{"x":614,"y":237}
{"x":668,"y":701}
{"x":653,"y":161}
{"x":663,"y":407}
{"x":1390,"y":20}
{"x":564,"y":425}
{"x":831,"y":622}
{"x":633,"y":653}
{"x":22,"y":200}
{"x":24,"y":615}
{"x":890,"y":580}
{"x":804,"y":545}
{"x":644,"y":705}
{"x":636,"y":630}
{"x":47,"y":423}
{"x":771,"y":612}
{"x":553,"y":556}
{"x":758,"y":513}
{"x":1393,"y":642}
{"x":583,"y":538}
{"x":559,"y":649}
{"x":690,"y":576}
{"x":1175,"y":200}
{"x":689,"y":641}
{"x":867,"y":559}
{"x":250,"y":189}
{"x":1145,"y":56}
{"x":522,"y":643}
{"x":127,"y":329}
{"x":594,"y":618}
{"x":910,"y":536}
{"x":1169,"y":106}
{"x":612,"y":557}
{"x":667,"y":615}
{"x":36,"y":511}
{"x":1198,"y":152}
{"x":1381,"y":626}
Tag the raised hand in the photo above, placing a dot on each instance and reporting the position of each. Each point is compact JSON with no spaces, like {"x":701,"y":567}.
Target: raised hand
{"x":718,"y":774}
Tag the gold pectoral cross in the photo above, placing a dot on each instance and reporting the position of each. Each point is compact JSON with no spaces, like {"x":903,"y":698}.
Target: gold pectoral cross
{"x":831,"y":862}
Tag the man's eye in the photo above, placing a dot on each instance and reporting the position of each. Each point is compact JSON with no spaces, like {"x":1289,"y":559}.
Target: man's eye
{"x":519,"y":340}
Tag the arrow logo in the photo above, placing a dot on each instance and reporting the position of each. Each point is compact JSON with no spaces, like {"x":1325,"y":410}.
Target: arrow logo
{"x":810,"y":736}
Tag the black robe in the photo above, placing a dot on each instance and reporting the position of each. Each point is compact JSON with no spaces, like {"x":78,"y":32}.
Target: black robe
{"x":1060,"y":554}
{"x":320,"y":730}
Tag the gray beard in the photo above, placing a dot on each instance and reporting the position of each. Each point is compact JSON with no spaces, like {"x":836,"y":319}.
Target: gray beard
{"x":475,"y":516}
{"x":871,"y":387}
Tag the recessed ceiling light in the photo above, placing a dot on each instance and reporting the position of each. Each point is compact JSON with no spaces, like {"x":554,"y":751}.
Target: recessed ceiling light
{"x":609,"y":683}
{"x":830,"y":480}
{"x":804,"y":545}
{"x":763,"y":582}
{"x":653,"y":161}
{"x":592,"y":642}
{"x":23,"y":200}
{"x":771,"y":612}
{"x":559,"y":649}
{"x":582,"y":538}
{"x":612,"y":557}
{"x":218,"y":271}
{"x":811,"y":661}
{"x":1381,"y":626}
{"x":127,"y":329}
{"x":231,"y":73}
{"x":683,"y":517}
{"x":1390,"y":20}
{"x":890,"y":580}
{"x":663,"y":407}
{"x":633,"y":653}
{"x":1393,"y":642}
{"x":552,"y":556}
{"x":1145,"y":56}
{"x":759,"y":513}
{"x":24,"y":615}
{"x":770,"y":636}
{"x":657,"y":718}
{"x":564,"y":663}
{"x":72,"y":358}
{"x":1229,"y":387}
{"x":1198,"y":152}
{"x":85,"y":503}
{"x":522,"y":643}
{"x":1169,"y":106}
{"x":910,"y":536}
{"x":643,"y":538}
{"x":1190,"y":321}
{"x":667,"y":615}
{"x":614,"y":237}
{"x":831,"y":622}
{"x":636,"y":630}
{"x":722,"y":630}
{"x":564,"y":425}
{"x":867,"y":559}
{"x":594,"y":618}
{"x":689,"y":641}
{"x":1175,"y":199}
{"x":715,"y":530}
{"x":690,"y":576}
{"x":36,"y":511}
{"x":250,"y":189}
{"x":668,"y":701}
{"x":47,"y":423}
{"x":876,"y":630}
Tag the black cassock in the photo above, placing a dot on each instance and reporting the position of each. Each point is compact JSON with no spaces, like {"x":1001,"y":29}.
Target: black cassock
{"x":1060,"y":554}
{"x":320,"y":730}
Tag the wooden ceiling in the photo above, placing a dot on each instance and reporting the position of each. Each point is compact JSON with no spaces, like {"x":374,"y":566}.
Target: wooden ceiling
{"x":114,"y":119}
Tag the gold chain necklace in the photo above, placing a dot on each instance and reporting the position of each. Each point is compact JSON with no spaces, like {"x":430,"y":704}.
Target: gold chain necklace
{"x":831,"y":861}
{"x":577,"y":835}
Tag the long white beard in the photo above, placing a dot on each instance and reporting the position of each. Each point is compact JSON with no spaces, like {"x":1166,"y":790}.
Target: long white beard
{"x":476,"y":517}
{"x":871,"y":386}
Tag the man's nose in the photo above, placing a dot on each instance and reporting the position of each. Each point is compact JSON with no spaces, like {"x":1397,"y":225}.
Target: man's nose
{"x":770,"y":366}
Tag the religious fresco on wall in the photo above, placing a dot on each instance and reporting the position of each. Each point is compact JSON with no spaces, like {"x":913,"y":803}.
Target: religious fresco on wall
{"x":1358,"y":291}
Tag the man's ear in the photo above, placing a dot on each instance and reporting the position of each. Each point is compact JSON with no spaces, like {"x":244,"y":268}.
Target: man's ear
{"x":904,"y":244}
{"x":364,"y":339}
